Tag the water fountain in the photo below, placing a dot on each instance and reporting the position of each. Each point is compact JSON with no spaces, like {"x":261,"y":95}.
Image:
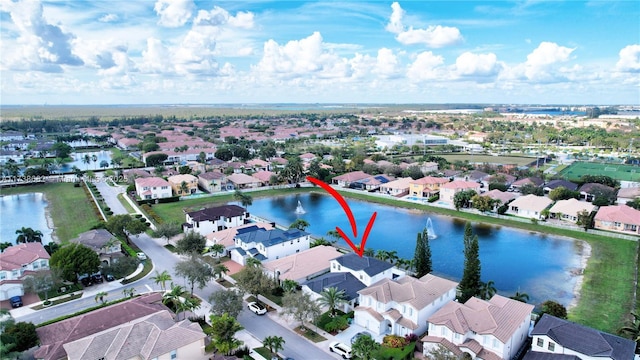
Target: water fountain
{"x":299,"y":209}
{"x":431,"y":233}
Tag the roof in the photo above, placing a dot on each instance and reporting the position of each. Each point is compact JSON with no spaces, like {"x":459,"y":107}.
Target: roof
{"x":536,"y":355}
{"x":151,"y":182}
{"x":53,"y":336}
{"x":401,"y":184}
{"x":530,"y":180}
{"x":264,"y":176}
{"x":226,"y":237}
{"x":341,"y":280}
{"x":571,"y":207}
{"x":351,"y":176}
{"x":460,"y":184}
{"x":211,"y":175}
{"x":496,"y":194}
{"x":148,"y":337}
{"x":270,"y":237}
{"x":257,"y":163}
{"x":630,"y":192}
{"x":215,"y":213}
{"x":554,"y":184}
{"x":418,"y":293}
{"x":241,"y":179}
{"x":589,"y":188}
{"x":371,"y":266}
{"x":13,"y":257}
{"x":430,"y":180}
{"x":584,"y":340}
{"x":303,"y":264}
{"x":531,"y":202}
{"x":619,"y":213}
{"x":95,"y":239}
{"x":178,"y":179}
{"x":477,"y":175}
{"x":499,"y":316}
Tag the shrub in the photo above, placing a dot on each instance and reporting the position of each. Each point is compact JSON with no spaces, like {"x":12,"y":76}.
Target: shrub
{"x":106,"y":208}
{"x":410,"y":338}
{"x":277,"y":291}
{"x":337,"y":323}
{"x":108,"y":212}
{"x":433,"y":198}
{"x":394,"y":341}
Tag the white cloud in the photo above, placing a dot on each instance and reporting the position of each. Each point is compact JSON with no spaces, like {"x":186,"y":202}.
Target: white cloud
{"x":434,"y":36}
{"x":387,"y":64}
{"x":629,"y":59}
{"x":156,"y":58}
{"x":426,"y":66}
{"x":483,"y":65}
{"x":108,"y":18}
{"x":174,"y":13}
{"x":541,"y":63}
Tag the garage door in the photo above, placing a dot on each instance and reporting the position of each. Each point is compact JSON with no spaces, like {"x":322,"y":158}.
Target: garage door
{"x":11,"y":291}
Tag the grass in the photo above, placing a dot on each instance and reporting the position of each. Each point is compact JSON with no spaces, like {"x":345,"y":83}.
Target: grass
{"x":170,"y":247}
{"x":126,"y":204}
{"x":396,"y":353}
{"x":60,"y":300}
{"x":276,"y":299}
{"x":84,"y":311}
{"x":622,"y":172}
{"x":264,"y":352}
{"x":225,"y":283}
{"x":309,"y":334}
{"x":55,"y":293}
{"x":127,"y":161}
{"x":148,"y":266}
{"x":68,"y":206}
{"x":476,"y":158}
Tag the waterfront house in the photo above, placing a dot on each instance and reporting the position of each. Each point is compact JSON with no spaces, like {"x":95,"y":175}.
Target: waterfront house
{"x":243,"y":181}
{"x":152,"y":188}
{"x":619,"y":218}
{"x":371,"y":183}
{"x":397,"y":188}
{"x":107,"y":246}
{"x":227,"y":237}
{"x":258,"y":165}
{"x":427,"y":186}
{"x":264,"y":177}
{"x":402,"y":306}
{"x":345,"y":180}
{"x":529,"y":206}
{"x":183,"y":184}
{"x":480,"y":329}
{"x":212,"y":181}
{"x":18,"y":261}
{"x":569,"y":209}
{"x":342,"y":281}
{"x":553,"y":335}
{"x":366,"y":268}
{"x":266,"y":245}
{"x":302,"y":266}
{"x":449,"y":190}
{"x":208,"y":220}
{"x":501,"y":196}
{"x":589,"y":191}
{"x":628,"y":194}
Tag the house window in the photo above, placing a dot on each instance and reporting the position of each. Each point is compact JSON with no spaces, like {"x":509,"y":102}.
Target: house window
{"x":552,"y":346}
{"x":339,"y":267}
{"x":495,"y":343}
{"x":410,"y":311}
{"x":3,"y":275}
{"x":404,"y":308}
{"x":14,"y":273}
{"x":540,"y":342}
{"x":35,"y":265}
{"x":333,"y":266}
{"x":617,"y":224}
{"x":456,"y":336}
{"x":43,"y":263}
{"x":174,"y":354}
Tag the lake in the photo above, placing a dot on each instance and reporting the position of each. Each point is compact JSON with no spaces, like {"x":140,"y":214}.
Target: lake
{"x":515,"y":260}
{"x":78,"y":161}
{"x":24,"y":210}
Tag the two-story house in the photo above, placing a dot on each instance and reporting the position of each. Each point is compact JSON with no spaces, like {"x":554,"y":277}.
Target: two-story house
{"x":402,"y":306}
{"x":107,"y":246}
{"x":18,"y":261}
{"x":266,"y":245}
{"x":208,"y":220}
{"x":482,"y":329}
{"x":366,"y":269}
{"x":449,"y":190}
{"x":152,"y":188}
{"x":183,"y":184}
{"x":426,"y":186}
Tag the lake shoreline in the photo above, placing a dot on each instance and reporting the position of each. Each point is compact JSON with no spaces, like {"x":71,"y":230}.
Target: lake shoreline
{"x":579,"y":273}
{"x":50,"y":224}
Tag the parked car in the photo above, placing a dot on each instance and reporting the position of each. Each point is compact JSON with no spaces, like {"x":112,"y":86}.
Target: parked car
{"x":86,"y":281}
{"x":340,"y":349}
{"x":16,"y":301}
{"x":141,"y":256}
{"x":96,"y":278}
{"x":109,"y":277}
{"x":359,"y":335}
{"x":257,"y":308}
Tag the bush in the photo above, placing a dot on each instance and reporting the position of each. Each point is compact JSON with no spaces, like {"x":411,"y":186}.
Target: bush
{"x":277,"y":291}
{"x":108,"y":212}
{"x":503,"y":209}
{"x":337,"y":323}
{"x":394,"y":341}
{"x":410,"y":337}
{"x":433,"y":198}
{"x":107,"y":208}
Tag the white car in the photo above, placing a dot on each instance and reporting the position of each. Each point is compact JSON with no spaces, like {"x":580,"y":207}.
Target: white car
{"x":257,"y":308}
{"x":141,"y":256}
{"x":340,"y":349}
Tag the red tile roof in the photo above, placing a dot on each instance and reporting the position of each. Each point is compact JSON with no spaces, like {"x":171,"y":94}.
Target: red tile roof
{"x":621,"y":213}
{"x":13,"y":257}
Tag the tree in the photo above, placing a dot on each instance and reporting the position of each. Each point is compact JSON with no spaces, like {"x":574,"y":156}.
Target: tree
{"x":244,"y":199}
{"x":585,"y":220}
{"x":441,"y":353}
{"x":26,"y":235}
{"x":635,"y":203}
{"x":632,"y":329}
{"x":156,"y":159}
{"x":128,"y":292}
{"x":101,"y":296}
{"x":289,"y":285}
{"x":413,"y":172}
{"x":62,"y":149}
{"x":299,"y":224}
{"x":124,"y":225}
{"x":470,"y":282}
{"x":94,"y":158}
{"x":562,"y":193}
{"x":273,"y":343}
{"x":227,"y":301}
{"x":161,"y":278}
{"x":121,"y":268}
{"x":192,"y":242}
{"x":463,"y":198}
{"x":86,"y":160}
{"x":74,"y":260}
{"x":253,"y":280}
{"x":217,"y":249}
{"x":41,"y":281}
{"x":196,"y":271}
{"x":185,"y":169}
{"x":253,"y":262}
{"x":184,"y":188}
{"x":334,"y":234}
{"x":22,"y":335}
{"x":220,"y":270}
{"x":224,"y":154}
{"x":5,"y":245}
{"x":422,"y":255}
{"x":167,"y":230}
{"x":520,"y":296}
{"x":483,"y":203}
{"x":487,"y":290}
{"x":553,"y":308}
{"x":331,"y":297}
{"x":222,"y":331}
{"x":300,"y":306}
{"x":51,"y":247}
{"x":174,"y":297}
{"x":530,"y":188}
{"x":320,"y":242}
{"x":104,"y":164}
{"x":293,"y":171}
{"x":365,"y":347}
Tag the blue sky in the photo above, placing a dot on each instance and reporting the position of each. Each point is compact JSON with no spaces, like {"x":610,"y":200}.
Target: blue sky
{"x":186,"y":51}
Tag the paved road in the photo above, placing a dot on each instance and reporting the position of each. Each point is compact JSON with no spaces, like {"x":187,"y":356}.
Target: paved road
{"x":110,"y":195}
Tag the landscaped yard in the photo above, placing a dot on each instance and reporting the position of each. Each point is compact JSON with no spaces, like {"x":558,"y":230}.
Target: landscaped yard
{"x":309,"y":334}
{"x":397,"y":353}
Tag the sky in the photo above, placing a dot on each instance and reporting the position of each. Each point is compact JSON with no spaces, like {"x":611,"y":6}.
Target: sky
{"x":250,"y":52}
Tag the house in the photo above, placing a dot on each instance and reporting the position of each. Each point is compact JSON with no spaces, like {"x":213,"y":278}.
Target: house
{"x":428,"y":167}
{"x":554,"y":184}
{"x":494,"y":329}
{"x":402,"y":306}
{"x":127,"y":143}
{"x":449,"y":190}
{"x":619,"y":218}
{"x":475,"y":175}
{"x":504,"y":179}
{"x":366,"y":269}
{"x":107,"y":246}
{"x":152,"y":188}
{"x":183,"y":184}
{"x":266,"y":245}
{"x":529,"y":206}
{"x":227,"y":237}
{"x":371,"y":183}
{"x":397,"y":188}
{"x":342,"y":281}
{"x":133,"y":174}
{"x":259,"y":165}
{"x":345,"y":180}
{"x":590,"y":191}
{"x":53,"y":337}
{"x":569,"y":209}
{"x":207,"y":220}
{"x":264,"y":176}
{"x":427,"y":186}
{"x":302,"y":266}
{"x":17,"y":261}
{"x":501,"y":196}
{"x":212,"y":181}
{"x":628,"y":194}
{"x":535,"y":181}
{"x":243,"y":181}
{"x":558,"y":336}
{"x":307,"y":157}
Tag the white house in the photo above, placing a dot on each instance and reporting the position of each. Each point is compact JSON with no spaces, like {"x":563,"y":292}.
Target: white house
{"x":152,"y":188}
{"x":302,"y":266}
{"x":482,"y":329}
{"x":402,"y":306}
{"x":552,"y":335}
{"x":208,"y":220}
{"x":449,"y":190}
{"x":569,"y":209}
{"x":366,"y":269}
{"x":18,"y":261}
{"x":266,"y":245}
{"x":529,"y":206}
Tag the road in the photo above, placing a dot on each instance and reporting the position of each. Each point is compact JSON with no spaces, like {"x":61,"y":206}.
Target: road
{"x":260,"y":327}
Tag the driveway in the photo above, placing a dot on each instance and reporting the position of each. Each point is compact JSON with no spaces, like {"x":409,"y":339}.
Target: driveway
{"x":110,"y":195}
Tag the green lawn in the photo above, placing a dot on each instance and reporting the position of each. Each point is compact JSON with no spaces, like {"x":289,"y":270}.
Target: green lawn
{"x":128,"y":161}
{"x":477,"y":158}
{"x":70,"y":209}
{"x":397,"y":353}
{"x":309,"y":334}
{"x":126,"y":204}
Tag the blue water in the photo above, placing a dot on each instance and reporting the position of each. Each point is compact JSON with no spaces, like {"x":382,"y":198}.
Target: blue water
{"x":25,"y":210}
{"x":78,"y":161}
{"x":515,"y":260}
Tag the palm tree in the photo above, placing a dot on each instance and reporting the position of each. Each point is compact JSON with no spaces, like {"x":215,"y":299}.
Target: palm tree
{"x":334,"y":234}
{"x":174,"y":297}
{"x":253,"y":262}
{"x":4,"y":245}
{"x":100,"y":296}
{"x":632,"y":329}
{"x":382,"y":255}
{"x":94,"y":158}
{"x":487,"y":290}
{"x":217,"y":249}
{"x":392,"y":256}
{"x":332,"y":298}
{"x":520,"y":296}
{"x":184,"y":188}
{"x":128,"y":292}
{"x":26,"y":235}
{"x":274,"y":343}
{"x":86,"y":160}
{"x":161,"y":278}
{"x":369,"y":252}
{"x":244,"y":199}
{"x":186,"y":304}
{"x":220,"y":270}
{"x":289,"y":285}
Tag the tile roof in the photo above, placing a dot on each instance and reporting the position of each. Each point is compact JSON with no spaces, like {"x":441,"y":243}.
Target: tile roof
{"x":264,"y":176}
{"x":589,"y":188}
{"x":530,"y":180}
{"x":226,"y":237}
{"x":371,"y":266}
{"x":619,"y":213}
{"x":504,"y":197}
{"x":242,"y":179}
{"x":402,"y":183}
{"x":584,"y":340}
{"x":212,"y":175}
{"x":341,"y":280}
{"x":95,"y":239}
{"x":430,"y":180}
{"x":305,"y":263}
{"x":270,"y":237}
{"x":531,"y":202}
{"x":215,"y":213}
{"x":571,"y":207}
{"x":460,"y":184}
{"x":630,"y":192}
{"x":554,"y":184}
{"x":351,"y":176}
{"x":13,"y":257}
{"x":178,"y":179}
{"x":417,"y":292}
{"x":152,"y":182}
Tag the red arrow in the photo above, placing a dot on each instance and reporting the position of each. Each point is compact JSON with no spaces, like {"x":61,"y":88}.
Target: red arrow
{"x":358,"y":249}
